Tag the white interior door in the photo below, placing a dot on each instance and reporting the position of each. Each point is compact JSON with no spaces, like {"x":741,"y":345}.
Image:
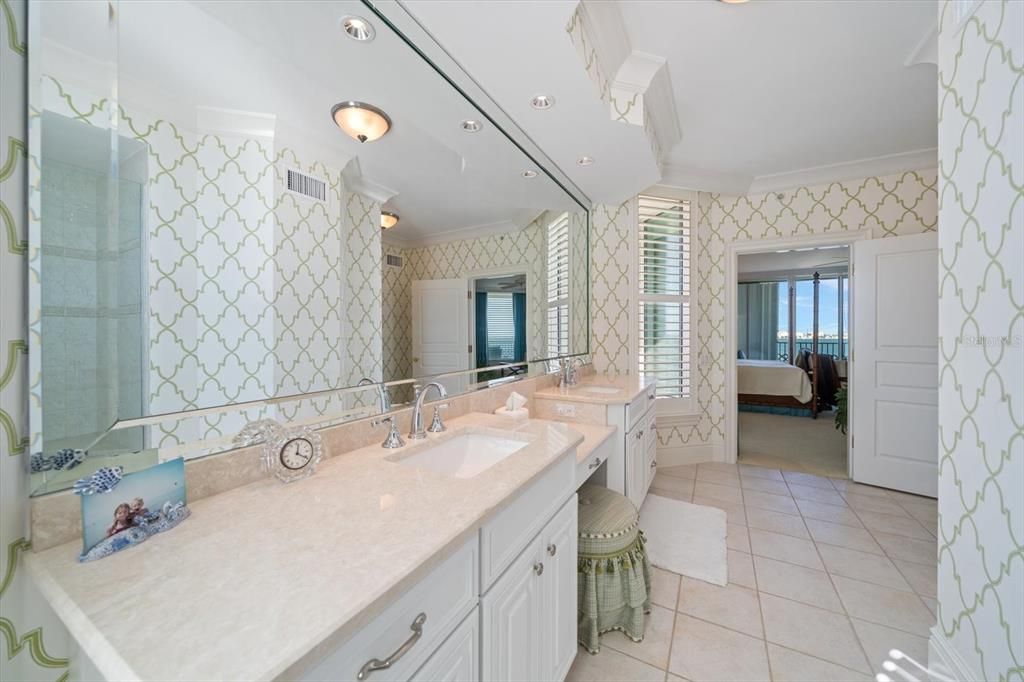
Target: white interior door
{"x":894,"y":384}
{"x":440,"y":329}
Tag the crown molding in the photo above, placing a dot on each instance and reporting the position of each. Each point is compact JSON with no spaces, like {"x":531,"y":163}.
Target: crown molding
{"x":927,"y":49}
{"x":461,"y":234}
{"x":352,"y":173}
{"x":703,"y":180}
{"x":850,"y":170}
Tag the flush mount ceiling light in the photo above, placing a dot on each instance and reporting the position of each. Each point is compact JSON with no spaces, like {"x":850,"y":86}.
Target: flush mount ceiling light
{"x":471,"y":126}
{"x":542,"y":102}
{"x":529,"y":173}
{"x":358,"y":28}
{"x":360,"y":121}
{"x":388,"y":219}
{"x":733,"y":2}
{"x":584,"y":161}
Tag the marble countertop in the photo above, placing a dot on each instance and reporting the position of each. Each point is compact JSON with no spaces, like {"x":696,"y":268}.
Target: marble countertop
{"x":627,"y":389}
{"x":593,"y":436}
{"x":261,"y":575}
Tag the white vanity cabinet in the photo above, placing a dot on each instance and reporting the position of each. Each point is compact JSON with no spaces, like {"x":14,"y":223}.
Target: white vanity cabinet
{"x":529,"y":614}
{"x":501,"y":607}
{"x":636,"y":421}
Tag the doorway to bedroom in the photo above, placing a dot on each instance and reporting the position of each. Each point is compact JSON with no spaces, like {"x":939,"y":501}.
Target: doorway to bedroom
{"x":793,"y":343}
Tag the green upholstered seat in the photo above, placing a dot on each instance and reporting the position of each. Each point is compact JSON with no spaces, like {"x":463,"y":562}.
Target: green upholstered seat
{"x":614,"y":585}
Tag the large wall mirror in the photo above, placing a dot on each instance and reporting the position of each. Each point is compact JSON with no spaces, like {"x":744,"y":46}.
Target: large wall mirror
{"x":277,"y":206}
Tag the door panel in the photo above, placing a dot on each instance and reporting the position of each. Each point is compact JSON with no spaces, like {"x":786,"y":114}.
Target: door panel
{"x":560,"y":598}
{"x":512,"y":622}
{"x":440,"y":329}
{"x":894,"y":392}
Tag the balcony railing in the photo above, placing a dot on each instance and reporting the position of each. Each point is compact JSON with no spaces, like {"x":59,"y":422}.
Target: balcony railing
{"x":825,"y":347}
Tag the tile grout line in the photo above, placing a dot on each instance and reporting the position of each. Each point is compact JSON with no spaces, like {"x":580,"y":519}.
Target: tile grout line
{"x":893,"y":562}
{"x":842,"y":604}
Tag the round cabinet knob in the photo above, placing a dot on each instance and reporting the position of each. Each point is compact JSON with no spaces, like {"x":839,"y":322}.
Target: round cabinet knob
{"x":552,"y":548}
{"x":538,"y":568}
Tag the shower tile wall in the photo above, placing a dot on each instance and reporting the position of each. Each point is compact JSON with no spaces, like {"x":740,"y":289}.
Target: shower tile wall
{"x":90,"y":304}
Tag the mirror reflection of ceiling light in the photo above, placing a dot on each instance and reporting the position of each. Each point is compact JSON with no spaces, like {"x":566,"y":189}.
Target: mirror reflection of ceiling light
{"x":388,"y":219}
{"x":542,"y":102}
{"x":358,"y":28}
{"x":529,"y":173}
{"x":471,"y":126}
{"x":584,"y":161}
{"x":361,"y":121}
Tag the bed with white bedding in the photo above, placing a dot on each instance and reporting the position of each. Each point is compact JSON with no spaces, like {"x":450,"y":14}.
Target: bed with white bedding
{"x":771,"y":382}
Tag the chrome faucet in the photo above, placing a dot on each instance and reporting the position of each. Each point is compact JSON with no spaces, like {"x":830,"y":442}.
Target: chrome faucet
{"x":383,"y":396}
{"x":393,"y":439}
{"x":568,"y":372}
{"x":416,"y":430}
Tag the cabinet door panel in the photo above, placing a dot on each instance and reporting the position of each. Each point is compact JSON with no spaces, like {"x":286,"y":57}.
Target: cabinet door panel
{"x":458,"y":659}
{"x":512,"y":621}
{"x":560,"y":594}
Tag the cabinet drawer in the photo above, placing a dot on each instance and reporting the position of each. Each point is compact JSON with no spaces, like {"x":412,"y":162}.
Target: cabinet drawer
{"x":636,"y":410}
{"x":586,"y":467}
{"x":504,"y":537}
{"x":444,"y":598}
{"x":458,"y":659}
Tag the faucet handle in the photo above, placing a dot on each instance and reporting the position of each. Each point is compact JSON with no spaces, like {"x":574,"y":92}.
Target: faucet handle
{"x":393,"y":439}
{"x":436,"y":424}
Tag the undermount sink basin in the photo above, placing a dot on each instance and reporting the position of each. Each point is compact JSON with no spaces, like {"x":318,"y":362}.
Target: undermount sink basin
{"x":606,"y":390}
{"x":464,"y":455}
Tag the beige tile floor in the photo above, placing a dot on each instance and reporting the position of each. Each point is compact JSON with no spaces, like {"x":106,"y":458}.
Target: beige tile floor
{"x":825,"y":576}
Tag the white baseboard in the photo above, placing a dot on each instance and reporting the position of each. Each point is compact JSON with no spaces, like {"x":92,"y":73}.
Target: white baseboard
{"x":944,"y":659}
{"x":676,"y":455}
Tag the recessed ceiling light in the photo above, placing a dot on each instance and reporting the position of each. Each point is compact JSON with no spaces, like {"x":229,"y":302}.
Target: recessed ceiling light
{"x":542,"y":102}
{"x":361,"y":121}
{"x":358,"y":28}
{"x":388,"y":219}
{"x":584,"y":161}
{"x":529,"y":173}
{"x":471,"y":126}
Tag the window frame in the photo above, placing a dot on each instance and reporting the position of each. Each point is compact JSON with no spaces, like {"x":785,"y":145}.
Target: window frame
{"x":668,"y":406}
{"x":559,"y":304}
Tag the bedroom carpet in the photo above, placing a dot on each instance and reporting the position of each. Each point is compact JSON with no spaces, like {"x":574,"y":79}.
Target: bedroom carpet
{"x":794,"y":443}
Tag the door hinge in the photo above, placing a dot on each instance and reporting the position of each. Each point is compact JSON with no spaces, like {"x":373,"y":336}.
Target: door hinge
{"x":470,"y":348}
{"x":469,"y":295}
{"x":853,"y":440}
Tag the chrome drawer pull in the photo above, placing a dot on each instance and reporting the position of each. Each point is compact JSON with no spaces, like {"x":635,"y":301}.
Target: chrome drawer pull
{"x":538,"y":568}
{"x":552,"y":548}
{"x":377,"y":664}
{"x":596,"y":463}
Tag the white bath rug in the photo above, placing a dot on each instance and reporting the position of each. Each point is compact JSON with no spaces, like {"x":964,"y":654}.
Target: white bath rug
{"x":684,"y":538}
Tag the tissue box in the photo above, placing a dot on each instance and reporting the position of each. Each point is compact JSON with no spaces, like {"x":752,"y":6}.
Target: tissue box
{"x":521,"y":413}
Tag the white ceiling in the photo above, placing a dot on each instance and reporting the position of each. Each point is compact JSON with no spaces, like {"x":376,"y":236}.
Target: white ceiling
{"x":288,"y":63}
{"x":768,"y":94}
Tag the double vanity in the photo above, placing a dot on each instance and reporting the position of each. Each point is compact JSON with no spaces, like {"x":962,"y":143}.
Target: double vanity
{"x":453,"y":557}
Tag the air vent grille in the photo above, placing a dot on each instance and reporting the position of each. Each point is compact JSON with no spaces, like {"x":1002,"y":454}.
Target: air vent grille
{"x":307,"y":185}
{"x":392,"y":260}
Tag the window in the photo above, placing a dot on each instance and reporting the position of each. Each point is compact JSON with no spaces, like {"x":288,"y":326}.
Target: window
{"x":776,"y":317}
{"x":663,"y":347}
{"x":501,"y":329}
{"x":558,"y":286}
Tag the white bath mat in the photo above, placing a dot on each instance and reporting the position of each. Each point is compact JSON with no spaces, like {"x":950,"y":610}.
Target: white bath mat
{"x":684,"y":538}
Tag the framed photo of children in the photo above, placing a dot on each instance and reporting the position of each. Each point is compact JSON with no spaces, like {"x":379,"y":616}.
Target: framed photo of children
{"x":142,"y":504}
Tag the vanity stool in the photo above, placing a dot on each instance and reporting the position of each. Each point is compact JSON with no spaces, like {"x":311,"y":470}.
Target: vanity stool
{"x":614,"y":575}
